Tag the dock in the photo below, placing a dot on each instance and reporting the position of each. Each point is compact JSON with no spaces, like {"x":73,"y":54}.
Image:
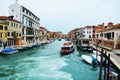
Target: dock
{"x":115,"y":57}
{"x":114,"y":54}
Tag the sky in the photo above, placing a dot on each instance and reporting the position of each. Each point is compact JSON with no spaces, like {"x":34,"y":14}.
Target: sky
{"x":66,"y":15}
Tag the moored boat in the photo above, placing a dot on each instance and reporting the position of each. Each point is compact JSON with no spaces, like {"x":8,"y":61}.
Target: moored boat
{"x":87,"y":58}
{"x":67,"y":48}
{"x":9,"y":51}
{"x":90,"y":59}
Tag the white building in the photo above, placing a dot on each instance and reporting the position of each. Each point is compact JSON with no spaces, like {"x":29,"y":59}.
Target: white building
{"x":85,"y":32}
{"x":80,"y":33}
{"x":30,"y":22}
{"x":88,"y":32}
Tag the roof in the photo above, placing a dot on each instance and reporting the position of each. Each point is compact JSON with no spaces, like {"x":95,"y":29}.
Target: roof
{"x":8,"y":18}
{"x":117,"y":26}
{"x":88,"y":27}
{"x":67,"y":44}
{"x":30,"y":12}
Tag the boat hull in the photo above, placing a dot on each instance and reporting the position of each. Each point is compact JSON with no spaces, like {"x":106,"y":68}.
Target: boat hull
{"x":11,"y":52}
{"x":87,"y":58}
{"x":66,"y":53}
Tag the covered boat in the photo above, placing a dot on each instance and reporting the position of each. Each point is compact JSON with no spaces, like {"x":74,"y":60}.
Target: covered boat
{"x":9,"y":51}
{"x":90,"y":59}
{"x":67,"y":48}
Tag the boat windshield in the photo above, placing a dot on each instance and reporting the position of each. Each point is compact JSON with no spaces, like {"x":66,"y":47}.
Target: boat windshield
{"x":65,"y":48}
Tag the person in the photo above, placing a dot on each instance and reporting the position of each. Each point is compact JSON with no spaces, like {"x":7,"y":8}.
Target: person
{"x":4,"y":44}
{"x":94,"y":62}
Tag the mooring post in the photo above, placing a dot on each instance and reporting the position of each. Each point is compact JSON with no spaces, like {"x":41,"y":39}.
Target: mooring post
{"x":105,"y":66}
{"x":101,"y":65}
{"x":108,"y":67}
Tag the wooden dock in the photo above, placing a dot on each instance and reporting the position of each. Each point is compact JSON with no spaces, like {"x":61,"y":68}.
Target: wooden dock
{"x":115,"y":58}
{"x":114,"y":54}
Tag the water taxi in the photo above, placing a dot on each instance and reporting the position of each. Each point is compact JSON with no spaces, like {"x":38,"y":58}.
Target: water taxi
{"x":67,"y":48}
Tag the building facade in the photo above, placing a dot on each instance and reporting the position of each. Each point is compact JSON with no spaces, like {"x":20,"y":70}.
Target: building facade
{"x":43,"y":34}
{"x":30,"y":22}
{"x":73,"y":34}
{"x":13,"y":30}
{"x":80,"y":33}
{"x":88,"y":32}
{"x":109,"y":36}
{"x":85,"y":32}
{"x":3,"y":34}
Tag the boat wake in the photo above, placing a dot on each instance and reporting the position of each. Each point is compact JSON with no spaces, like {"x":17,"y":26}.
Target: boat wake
{"x":43,"y":68}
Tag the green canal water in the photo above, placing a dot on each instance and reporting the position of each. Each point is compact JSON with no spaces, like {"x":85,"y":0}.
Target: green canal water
{"x":45,"y":63}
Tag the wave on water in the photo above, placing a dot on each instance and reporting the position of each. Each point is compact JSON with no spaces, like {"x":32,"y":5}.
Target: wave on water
{"x":43,"y":68}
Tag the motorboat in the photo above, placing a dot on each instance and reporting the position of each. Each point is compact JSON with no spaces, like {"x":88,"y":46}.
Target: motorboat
{"x":90,"y":59}
{"x":87,"y":58}
{"x":67,"y":48}
{"x":9,"y":51}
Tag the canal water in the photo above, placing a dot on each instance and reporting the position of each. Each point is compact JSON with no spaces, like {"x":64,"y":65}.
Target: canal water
{"x":45,"y":63}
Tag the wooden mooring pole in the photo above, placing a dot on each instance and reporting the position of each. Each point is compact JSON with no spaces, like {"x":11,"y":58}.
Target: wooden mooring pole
{"x":105,"y":66}
{"x":101,"y":65}
{"x":108,"y":67}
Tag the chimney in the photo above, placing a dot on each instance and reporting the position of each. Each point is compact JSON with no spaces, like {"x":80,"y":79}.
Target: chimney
{"x":110,"y":24}
{"x":10,"y":17}
{"x":103,"y":25}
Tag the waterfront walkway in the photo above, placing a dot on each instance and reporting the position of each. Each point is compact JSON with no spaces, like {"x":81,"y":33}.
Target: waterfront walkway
{"x":28,"y":45}
{"x":114,"y":54}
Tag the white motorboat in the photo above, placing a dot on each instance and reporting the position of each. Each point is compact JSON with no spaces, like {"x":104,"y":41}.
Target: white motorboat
{"x":87,"y":58}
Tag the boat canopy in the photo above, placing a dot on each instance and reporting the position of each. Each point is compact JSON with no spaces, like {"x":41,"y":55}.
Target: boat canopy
{"x":67,"y":44}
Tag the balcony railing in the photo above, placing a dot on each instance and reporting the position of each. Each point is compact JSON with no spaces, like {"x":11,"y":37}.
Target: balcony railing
{"x":105,"y":43}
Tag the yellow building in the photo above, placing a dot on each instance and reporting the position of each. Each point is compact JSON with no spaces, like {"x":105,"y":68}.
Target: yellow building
{"x":3,"y":34}
{"x":14,"y":30}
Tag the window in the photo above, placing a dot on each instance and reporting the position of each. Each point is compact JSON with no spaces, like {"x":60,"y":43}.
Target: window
{"x":19,"y":34}
{"x":12,"y":10}
{"x":101,"y":34}
{"x":12,"y":24}
{"x":29,"y":14}
{"x":26,"y":12}
{"x":0,"y":35}
{"x":23,"y":10}
{"x":5,"y":27}
{"x":12,"y":33}
{"x":97,"y":35}
{"x":8,"y":23}
{"x":1,"y":27}
{"x":8,"y":33}
{"x":112,"y":34}
{"x":89,"y":36}
{"x":19,"y":26}
{"x":108,"y":35}
{"x":16,"y":25}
